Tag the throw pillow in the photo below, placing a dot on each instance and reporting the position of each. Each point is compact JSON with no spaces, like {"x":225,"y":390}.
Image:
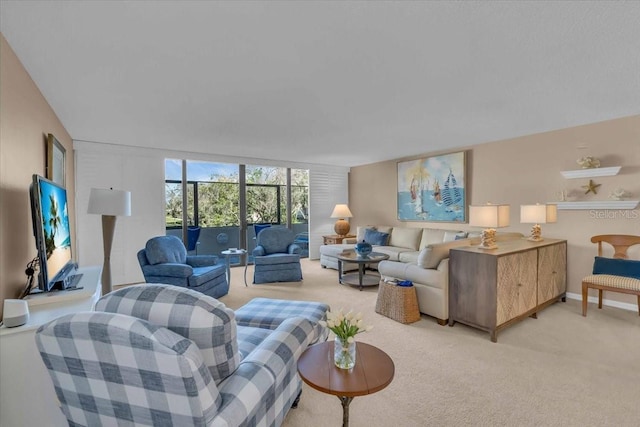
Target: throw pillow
{"x":617,"y":267}
{"x":376,"y":237}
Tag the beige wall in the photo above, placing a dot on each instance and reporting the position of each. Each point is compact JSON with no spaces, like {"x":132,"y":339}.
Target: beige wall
{"x":25,"y":120}
{"x":526,"y":170}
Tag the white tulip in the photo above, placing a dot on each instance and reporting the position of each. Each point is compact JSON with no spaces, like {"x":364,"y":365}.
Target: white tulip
{"x":330,"y":323}
{"x":350,"y":340}
{"x":359,"y":316}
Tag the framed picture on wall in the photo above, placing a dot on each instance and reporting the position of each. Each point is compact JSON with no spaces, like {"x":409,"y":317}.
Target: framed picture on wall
{"x":433,"y":189}
{"x":55,"y":160}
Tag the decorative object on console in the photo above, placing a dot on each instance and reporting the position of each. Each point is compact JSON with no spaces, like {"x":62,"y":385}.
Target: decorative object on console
{"x":592,"y":187}
{"x":110,"y":204}
{"x":538,"y":214}
{"x":619,"y":194}
{"x":342,"y":226}
{"x":588,"y":162}
{"x":363,"y":248}
{"x":432,"y":189}
{"x":15,"y":312}
{"x":491,"y":217}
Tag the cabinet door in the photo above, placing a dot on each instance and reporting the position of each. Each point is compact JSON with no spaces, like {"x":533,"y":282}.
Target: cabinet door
{"x":552,"y":272}
{"x":517,"y":282}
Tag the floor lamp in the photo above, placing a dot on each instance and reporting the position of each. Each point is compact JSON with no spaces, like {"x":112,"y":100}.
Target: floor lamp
{"x":110,"y":204}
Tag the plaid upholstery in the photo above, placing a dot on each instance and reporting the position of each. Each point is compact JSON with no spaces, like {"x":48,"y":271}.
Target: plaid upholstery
{"x":110,"y":369}
{"x":198,"y":317}
{"x":249,"y":338}
{"x":613,"y":281}
{"x":268,"y":374}
{"x":268,"y":313}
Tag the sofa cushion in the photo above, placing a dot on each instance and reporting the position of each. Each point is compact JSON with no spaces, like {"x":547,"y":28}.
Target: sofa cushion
{"x":406,"y":237}
{"x":376,"y":237}
{"x":361,"y":230}
{"x":450,"y":236}
{"x":431,"y":255}
{"x":198,"y":317}
{"x":410,"y":257}
{"x":393,"y":252}
{"x":431,"y":236}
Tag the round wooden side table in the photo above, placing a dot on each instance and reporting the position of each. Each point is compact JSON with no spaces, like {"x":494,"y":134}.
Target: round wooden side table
{"x":372,"y":372}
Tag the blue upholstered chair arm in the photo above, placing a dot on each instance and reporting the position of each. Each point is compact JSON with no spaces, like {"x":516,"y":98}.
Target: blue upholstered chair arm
{"x":259,"y":251}
{"x":202,"y":260}
{"x":294,"y":249}
{"x":168,"y":269}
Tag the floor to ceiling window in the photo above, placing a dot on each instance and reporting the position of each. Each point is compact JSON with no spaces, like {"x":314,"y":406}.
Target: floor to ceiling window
{"x":213,"y":202}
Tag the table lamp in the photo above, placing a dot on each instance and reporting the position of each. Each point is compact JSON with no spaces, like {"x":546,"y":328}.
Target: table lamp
{"x":342,"y":226}
{"x":537,"y":214}
{"x":110,"y":204}
{"x":491,"y":217}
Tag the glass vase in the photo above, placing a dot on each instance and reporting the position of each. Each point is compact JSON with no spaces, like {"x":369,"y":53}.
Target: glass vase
{"x":344,"y":353}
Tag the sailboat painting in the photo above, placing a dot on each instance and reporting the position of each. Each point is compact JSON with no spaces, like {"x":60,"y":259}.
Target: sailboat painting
{"x":433,"y":189}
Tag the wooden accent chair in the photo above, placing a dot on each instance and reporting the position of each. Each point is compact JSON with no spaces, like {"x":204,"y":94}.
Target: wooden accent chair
{"x":612,"y":282}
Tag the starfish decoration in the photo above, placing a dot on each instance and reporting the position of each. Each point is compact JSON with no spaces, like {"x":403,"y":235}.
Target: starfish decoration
{"x":592,"y":187}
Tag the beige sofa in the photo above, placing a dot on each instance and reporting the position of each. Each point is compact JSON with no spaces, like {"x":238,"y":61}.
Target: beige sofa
{"x":420,"y":255}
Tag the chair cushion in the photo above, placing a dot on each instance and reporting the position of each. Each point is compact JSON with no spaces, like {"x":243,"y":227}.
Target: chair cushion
{"x":278,"y":258}
{"x":612,"y":281}
{"x":198,"y":317}
{"x":375,"y":237}
{"x":163,"y":249}
{"x":275,"y":239}
{"x":202,"y":275}
{"x":617,"y":267}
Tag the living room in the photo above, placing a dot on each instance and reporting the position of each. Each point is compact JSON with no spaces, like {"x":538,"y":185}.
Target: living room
{"x":514,"y":169}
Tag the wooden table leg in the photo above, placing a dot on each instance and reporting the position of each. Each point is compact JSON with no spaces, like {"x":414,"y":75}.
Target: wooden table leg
{"x":345,"y":409}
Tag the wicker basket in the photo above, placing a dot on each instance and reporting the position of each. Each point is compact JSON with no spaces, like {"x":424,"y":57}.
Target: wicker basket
{"x":399,"y":303}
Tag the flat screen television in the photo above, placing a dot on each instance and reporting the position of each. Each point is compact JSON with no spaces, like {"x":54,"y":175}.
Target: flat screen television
{"x":49,"y":211}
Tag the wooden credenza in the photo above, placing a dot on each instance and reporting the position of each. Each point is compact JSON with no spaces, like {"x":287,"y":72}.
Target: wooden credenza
{"x":492,"y":289}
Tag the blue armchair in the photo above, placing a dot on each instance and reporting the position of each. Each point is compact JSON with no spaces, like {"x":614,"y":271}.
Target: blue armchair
{"x":164,"y":260}
{"x":276,"y":258}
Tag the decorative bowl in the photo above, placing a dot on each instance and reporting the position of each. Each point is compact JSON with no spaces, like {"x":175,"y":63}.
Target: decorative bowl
{"x":363,"y":248}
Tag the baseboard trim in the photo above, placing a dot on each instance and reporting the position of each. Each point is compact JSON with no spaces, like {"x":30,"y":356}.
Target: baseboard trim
{"x":610,"y":303}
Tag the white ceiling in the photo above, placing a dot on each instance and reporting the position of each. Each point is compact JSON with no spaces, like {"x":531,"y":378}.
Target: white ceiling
{"x":345,"y":83}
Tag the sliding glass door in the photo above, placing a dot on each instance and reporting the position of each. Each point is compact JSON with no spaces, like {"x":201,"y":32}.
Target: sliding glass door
{"x":227,"y":200}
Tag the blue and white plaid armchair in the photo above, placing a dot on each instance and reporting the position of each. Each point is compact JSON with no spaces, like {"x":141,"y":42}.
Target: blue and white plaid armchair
{"x":167,"y":356}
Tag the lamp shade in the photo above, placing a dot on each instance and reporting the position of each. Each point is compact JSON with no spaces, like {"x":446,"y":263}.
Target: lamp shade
{"x":538,"y":214}
{"x":109,"y":202}
{"x":341,"y":211}
{"x":492,"y":216}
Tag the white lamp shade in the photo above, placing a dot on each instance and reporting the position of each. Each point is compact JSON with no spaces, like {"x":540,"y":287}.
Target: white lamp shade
{"x":109,"y":202}
{"x":492,"y":216}
{"x":538,"y":214}
{"x":341,"y":211}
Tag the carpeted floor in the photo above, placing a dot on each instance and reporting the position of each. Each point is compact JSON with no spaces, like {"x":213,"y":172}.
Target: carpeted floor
{"x":560,"y":369}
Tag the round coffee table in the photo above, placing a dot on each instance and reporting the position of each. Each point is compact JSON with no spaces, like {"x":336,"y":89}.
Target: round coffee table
{"x":362,"y":261}
{"x":372,"y":372}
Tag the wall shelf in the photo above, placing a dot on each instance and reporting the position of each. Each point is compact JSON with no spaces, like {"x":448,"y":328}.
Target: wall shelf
{"x":590,"y":173}
{"x":597,"y":204}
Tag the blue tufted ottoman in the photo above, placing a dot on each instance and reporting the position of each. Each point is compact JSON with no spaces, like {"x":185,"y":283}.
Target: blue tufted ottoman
{"x":268,"y":313}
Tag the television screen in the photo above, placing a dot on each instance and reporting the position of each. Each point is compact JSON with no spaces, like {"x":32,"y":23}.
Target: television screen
{"x":52,"y":232}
